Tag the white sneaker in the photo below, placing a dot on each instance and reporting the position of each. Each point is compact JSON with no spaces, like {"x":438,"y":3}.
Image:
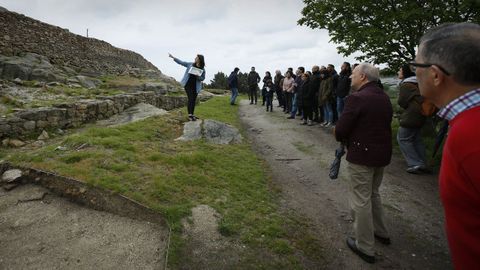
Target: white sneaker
{"x":328,"y":125}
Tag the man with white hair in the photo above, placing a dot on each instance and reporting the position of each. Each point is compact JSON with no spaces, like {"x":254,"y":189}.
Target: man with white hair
{"x":448,"y":73}
{"x":365,"y":128}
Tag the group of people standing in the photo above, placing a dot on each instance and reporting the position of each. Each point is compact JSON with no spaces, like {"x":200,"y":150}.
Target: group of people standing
{"x":446,"y":72}
{"x":316,"y":95}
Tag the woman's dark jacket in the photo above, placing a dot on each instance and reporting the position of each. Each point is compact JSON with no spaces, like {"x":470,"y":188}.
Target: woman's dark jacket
{"x":308,"y":93}
{"x":410,"y":100}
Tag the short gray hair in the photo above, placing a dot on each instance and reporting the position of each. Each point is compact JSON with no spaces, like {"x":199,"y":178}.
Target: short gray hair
{"x":370,"y":71}
{"x":456,"y":48}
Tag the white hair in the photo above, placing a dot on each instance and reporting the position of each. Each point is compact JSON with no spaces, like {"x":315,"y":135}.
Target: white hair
{"x":370,"y":71}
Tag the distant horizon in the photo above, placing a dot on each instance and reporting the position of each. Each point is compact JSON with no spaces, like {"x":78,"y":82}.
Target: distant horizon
{"x":269,"y":39}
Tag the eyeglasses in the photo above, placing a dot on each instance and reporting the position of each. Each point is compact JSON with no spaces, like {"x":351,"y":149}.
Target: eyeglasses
{"x":413,"y":67}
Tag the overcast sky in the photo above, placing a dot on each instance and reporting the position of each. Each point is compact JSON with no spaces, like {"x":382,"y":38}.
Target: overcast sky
{"x":244,"y":33}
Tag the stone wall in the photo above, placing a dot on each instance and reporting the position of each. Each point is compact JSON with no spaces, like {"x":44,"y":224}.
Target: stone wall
{"x":88,"y":56}
{"x":64,"y":116}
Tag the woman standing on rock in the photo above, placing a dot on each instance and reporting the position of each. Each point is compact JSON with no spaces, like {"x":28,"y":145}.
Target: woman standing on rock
{"x":192,"y":81}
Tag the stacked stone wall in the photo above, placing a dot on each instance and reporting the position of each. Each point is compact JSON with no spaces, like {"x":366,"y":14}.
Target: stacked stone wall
{"x":90,"y":56}
{"x":64,"y":116}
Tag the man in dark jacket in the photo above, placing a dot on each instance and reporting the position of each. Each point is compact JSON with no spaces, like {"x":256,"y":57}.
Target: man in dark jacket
{"x":315,"y":80}
{"x":253,"y":79}
{"x":278,"y":88}
{"x":343,"y":86}
{"x":364,"y":127}
{"x":233,"y":84}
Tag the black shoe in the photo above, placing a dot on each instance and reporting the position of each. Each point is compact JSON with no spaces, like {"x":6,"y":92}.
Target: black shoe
{"x":384,"y":240}
{"x":414,"y":169}
{"x":353,"y":246}
{"x":192,"y":118}
{"x":291,"y":117}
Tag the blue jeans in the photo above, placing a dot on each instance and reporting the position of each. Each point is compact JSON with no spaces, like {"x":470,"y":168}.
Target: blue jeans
{"x":411,"y":145}
{"x":294,"y":105}
{"x":234,"y":95}
{"x":340,"y":105}
{"x":327,"y":112}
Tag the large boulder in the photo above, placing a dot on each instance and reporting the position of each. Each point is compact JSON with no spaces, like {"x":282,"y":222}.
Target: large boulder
{"x":191,"y":131}
{"x":87,"y":82}
{"x":220,"y":133}
{"x":213,"y":131}
{"x":29,"y":66}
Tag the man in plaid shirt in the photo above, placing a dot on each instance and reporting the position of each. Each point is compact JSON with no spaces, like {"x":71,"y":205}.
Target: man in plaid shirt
{"x":448,"y":73}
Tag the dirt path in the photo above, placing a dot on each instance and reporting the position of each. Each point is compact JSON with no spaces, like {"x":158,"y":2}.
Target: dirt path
{"x":299,"y":157}
{"x":40,"y":230}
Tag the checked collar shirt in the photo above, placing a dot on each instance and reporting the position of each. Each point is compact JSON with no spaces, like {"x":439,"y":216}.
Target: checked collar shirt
{"x":460,"y":104}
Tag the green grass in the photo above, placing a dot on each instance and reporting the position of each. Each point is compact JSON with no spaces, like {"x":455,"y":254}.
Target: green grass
{"x":141,"y":160}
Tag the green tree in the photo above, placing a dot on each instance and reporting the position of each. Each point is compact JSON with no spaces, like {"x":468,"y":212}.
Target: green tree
{"x":242,"y":82}
{"x":219,"y":81}
{"x":384,"y":31}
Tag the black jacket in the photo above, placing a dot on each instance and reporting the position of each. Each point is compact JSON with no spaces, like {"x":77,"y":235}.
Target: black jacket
{"x":276,"y":81}
{"x":233,"y":80}
{"x":253,"y":78}
{"x":344,"y":84}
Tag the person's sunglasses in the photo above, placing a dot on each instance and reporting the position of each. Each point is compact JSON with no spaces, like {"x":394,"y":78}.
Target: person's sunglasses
{"x":414,"y":66}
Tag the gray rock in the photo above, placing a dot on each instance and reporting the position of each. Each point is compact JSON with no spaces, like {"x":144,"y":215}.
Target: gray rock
{"x":135,"y":113}
{"x":18,"y":81}
{"x":158,"y":88}
{"x":43,"y":136}
{"x":38,"y":144}
{"x":191,"y":131}
{"x":88,"y":82}
{"x":13,"y":143}
{"x":29,"y":125}
{"x":220,"y":133}
{"x":205,"y":95}
{"x":29,"y":66}
{"x":11,"y":175}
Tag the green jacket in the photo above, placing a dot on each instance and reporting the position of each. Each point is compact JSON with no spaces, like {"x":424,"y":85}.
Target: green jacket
{"x":326,"y":91}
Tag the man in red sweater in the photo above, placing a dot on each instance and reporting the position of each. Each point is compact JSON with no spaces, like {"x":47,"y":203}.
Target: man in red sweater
{"x":448,"y":72}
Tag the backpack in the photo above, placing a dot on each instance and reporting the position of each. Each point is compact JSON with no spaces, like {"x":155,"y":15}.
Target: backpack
{"x":427,"y":108}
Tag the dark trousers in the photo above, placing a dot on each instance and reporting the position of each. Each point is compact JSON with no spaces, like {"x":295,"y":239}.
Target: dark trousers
{"x":192,"y":98}
{"x":280,"y":97}
{"x":288,"y":101}
{"x":269,"y":100}
{"x":316,"y":114}
{"x":252,"y":93}
{"x":264,"y":96}
{"x":307,"y":112}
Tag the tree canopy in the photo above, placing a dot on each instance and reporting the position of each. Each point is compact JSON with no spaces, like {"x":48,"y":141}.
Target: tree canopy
{"x":384,"y":31}
{"x":219,"y":81}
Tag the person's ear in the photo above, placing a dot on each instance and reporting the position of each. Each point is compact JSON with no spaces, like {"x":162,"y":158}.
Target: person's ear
{"x":437,"y":75}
